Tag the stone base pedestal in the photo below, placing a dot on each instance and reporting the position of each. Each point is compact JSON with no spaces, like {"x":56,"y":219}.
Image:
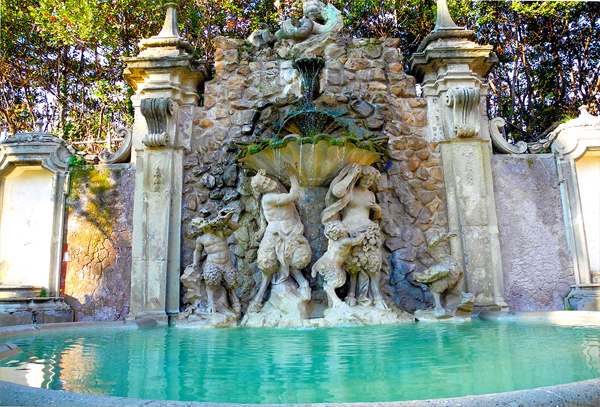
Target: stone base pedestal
{"x":198,"y":317}
{"x":285,"y":307}
{"x":360,"y":315}
{"x":38,"y":310}
{"x":583,"y":297}
{"x":457,"y":309}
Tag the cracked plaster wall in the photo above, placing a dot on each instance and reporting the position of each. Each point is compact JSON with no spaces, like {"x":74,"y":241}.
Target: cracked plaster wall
{"x":97,"y":275}
{"x":535,"y":256}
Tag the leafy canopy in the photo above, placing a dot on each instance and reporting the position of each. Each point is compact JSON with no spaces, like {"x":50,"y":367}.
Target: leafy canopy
{"x":61,"y":59}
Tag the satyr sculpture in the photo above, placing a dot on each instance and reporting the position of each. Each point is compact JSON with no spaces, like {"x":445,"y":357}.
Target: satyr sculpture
{"x":283,"y":249}
{"x":218,"y":268}
{"x":330,"y":264}
{"x":443,"y":276}
{"x":350,"y":200}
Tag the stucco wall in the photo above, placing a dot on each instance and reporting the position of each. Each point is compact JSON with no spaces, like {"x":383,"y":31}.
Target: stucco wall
{"x":97,"y":265}
{"x":535,"y":256}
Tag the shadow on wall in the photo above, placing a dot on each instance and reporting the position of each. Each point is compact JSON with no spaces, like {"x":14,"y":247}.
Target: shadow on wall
{"x":97,"y":275}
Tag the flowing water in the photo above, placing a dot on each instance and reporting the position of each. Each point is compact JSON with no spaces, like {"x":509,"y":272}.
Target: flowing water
{"x":344,"y":364}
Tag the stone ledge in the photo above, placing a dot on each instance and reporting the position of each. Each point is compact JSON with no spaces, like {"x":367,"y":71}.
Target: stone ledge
{"x":579,"y":394}
{"x":553,"y":317}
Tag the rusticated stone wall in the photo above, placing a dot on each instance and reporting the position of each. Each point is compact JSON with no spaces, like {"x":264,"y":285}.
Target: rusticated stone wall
{"x":364,"y":85}
{"x":97,"y":263}
{"x":535,"y":255}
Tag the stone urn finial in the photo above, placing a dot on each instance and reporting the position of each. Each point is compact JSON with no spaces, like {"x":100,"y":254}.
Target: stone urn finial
{"x":167,"y":42}
{"x":39,"y":126}
{"x":583,"y":110}
{"x":169,"y":29}
{"x":444,"y":20}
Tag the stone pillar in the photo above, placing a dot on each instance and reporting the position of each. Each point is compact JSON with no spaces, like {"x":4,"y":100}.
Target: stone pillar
{"x":451,"y":67}
{"x":165,"y":77}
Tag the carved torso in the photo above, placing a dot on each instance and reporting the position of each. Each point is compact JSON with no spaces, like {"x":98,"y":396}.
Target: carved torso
{"x":281,"y":218}
{"x":216,"y":247}
{"x":361,"y":211}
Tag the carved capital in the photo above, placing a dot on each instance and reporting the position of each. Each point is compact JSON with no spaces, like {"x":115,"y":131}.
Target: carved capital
{"x":464,"y":102}
{"x":156,"y":111}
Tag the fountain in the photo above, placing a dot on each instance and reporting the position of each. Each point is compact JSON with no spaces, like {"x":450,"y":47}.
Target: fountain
{"x":309,"y":201}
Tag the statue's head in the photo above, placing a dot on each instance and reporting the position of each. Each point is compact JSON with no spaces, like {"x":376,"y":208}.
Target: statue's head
{"x":313,"y":9}
{"x":263,"y":183}
{"x":335,"y":229}
{"x":198,"y":225}
{"x":368,"y":176}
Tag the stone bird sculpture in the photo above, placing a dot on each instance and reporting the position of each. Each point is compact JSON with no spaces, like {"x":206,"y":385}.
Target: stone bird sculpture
{"x":443,"y":276}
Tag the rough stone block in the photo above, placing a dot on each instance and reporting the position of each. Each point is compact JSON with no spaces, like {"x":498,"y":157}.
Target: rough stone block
{"x":376,"y":86}
{"x":355,"y":64}
{"x":225,"y":43}
{"x":378,"y":74}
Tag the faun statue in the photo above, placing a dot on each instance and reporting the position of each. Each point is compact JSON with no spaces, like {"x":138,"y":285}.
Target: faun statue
{"x":283,"y":249}
{"x":218,"y":267}
{"x":442,"y":277}
{"x":350,"y":200}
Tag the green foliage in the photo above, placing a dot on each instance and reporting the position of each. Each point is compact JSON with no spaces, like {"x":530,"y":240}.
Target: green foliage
{"x":76,"y":161}
{"x":61,"y":60}
{"x":549,"y":60}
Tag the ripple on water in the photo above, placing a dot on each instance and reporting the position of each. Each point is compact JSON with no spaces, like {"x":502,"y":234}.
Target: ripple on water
{"x":273,"y":365}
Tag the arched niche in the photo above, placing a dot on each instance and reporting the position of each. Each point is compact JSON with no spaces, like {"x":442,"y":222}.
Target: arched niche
{"x":34,"y":177}
{"x":577,"y":152}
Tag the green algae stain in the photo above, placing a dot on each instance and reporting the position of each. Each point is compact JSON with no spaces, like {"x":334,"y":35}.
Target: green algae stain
{"x":90,"y":195}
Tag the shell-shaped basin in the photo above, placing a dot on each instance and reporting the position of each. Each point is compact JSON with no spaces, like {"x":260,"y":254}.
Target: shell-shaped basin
{"x":317,"y":160}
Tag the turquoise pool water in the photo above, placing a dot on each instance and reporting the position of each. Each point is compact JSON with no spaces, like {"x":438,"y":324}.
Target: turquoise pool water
{"x":345,"y":364}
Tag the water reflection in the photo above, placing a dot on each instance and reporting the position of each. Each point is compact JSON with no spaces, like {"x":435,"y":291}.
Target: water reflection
{"x":269,"y":365}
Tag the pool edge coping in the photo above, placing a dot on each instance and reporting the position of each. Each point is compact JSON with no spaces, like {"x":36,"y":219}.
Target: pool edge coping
{"x":578,"y":394}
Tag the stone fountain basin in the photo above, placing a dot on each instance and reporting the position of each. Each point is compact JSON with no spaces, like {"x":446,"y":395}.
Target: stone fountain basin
{"x":581,"y":394}
{"x":316,"y":159}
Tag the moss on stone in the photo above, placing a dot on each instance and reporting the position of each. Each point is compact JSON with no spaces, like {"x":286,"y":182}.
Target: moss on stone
{"x":96,"y":185}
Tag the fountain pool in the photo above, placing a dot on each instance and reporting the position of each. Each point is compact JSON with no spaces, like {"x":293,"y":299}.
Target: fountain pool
{"x":274,"y":365}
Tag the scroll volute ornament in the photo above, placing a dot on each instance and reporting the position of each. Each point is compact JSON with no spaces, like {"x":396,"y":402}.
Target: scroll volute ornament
{"x":157,"y":111}
{"x":464,"y":103}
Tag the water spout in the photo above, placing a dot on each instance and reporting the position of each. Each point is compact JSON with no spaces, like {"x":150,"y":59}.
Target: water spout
{"x":309,"y":69}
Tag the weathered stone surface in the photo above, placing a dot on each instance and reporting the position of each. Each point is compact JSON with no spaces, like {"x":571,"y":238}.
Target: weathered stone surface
{"x":360,"y":315}
{"x":356,"y":84}
{"x":97,"y":279}
{"x":285,"y":307}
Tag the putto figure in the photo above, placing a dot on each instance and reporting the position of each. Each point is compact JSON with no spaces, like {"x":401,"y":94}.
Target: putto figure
{"x":218,"y":267}
{"x":330,"y":264}
{"x":283,"y":249}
